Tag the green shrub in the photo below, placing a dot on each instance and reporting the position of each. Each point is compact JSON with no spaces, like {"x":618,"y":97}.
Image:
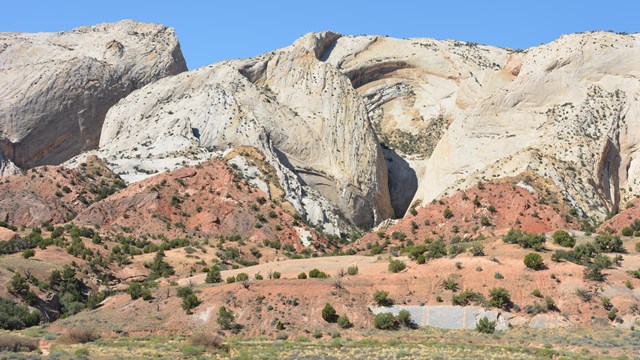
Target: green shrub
{"x":450,"y":283}
{"x":302,"y":276}
{"x":136,"y":291}
{"x":584,"y":295}
{"x":329,"y":313}
{"x":593,"y":272}
{"x":343,"y":322}
{"x":563,"y":238}
{"x":499,"y":298}
{"x":352,"y":270}
{"x":634,"y":273}
{"x":467,"y":297}
{"x":448,"y":214}
{"x":602,"y":261}
{"x":226,"y":320}
{"x":16,"y":317}
{"x":536,"y":293}
{"x":381,"y":298}
{"x":315,"y":273}
{"x":242,"y":276}
{"x":608,"y":243}
{"x":231,"y":279}
{"x":485,"y":326}
{"x":276,"y":275}
{"x":627,"y":231}
{"x":534,"y":261}
{"x":527,"y":241}
{"x":28,"y":253}
{"x":18,"y":285}
{"x":477,"y":249}
{"x":386,"y":321}
{"x":189,"y":299}
{"x":213,"y":276}
{"x":404,"y":318}
{"x":159,"y":268}
{"x":396,"y":266}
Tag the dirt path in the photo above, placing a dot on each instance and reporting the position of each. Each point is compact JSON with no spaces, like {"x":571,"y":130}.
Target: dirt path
{"x":367,"y":265}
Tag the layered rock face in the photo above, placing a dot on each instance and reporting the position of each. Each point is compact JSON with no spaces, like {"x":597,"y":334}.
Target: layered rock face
{"x":301,"y":113}
{"x":459,"y":113}
{"x":57,"y":87}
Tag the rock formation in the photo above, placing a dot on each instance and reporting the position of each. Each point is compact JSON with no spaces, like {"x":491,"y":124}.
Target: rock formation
{"x":460,"y":112}
{"x":448,"y":114}
{"x":57,"y":87}
{"x":301,"y":113}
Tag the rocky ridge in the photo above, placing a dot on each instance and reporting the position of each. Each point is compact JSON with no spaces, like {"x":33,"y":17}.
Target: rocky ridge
{"x":57,"y":87}
{"x":298,"y":111}
{"x":460,"y":112}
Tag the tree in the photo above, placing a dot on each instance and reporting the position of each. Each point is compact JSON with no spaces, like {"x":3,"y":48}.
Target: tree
{"x":448,"y":214}
{"x":189,"y":302}
{"x":226,"y":320}
{"x":563,"y":238}
{"x":213,"y":276}
{"x":16,"y":317}
{"x":189,"y":298}
{"x":135,"y":290}
{"x":499,"y":298}
{"x":329,"y":313}
{"x":534,"y":261}
{"x":396,"y":266}
{"x":485,"y":326}
{"x":159,"y":268}
{"x":18,"y":285}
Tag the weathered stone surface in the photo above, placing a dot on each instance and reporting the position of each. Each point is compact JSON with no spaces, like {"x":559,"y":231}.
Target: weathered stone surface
{"x":462,"y":112}
{"x":548,"y":321}
{"x":6,"y":234}
{"x":447,"y":316}
{"x":301,"y":113}
{"x":57,"y":87}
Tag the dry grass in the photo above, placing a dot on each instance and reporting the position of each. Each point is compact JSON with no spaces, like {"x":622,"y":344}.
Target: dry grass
{"x":208,"y":340}
{"x":12,"y":343}
{"x":78,"y":336}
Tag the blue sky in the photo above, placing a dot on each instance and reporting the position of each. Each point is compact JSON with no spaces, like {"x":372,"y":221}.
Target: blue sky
{"x":211,"y":31}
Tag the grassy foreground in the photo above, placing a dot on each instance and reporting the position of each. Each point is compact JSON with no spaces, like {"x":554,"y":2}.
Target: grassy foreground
{"x":571,"y":343}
